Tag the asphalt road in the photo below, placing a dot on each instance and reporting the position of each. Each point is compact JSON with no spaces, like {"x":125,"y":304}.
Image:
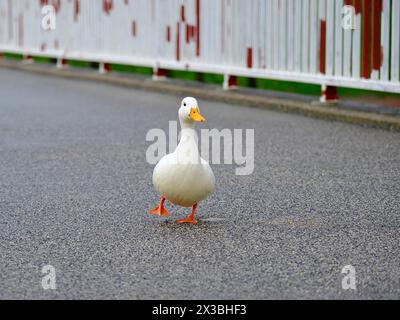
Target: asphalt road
{"x":75,"y":188}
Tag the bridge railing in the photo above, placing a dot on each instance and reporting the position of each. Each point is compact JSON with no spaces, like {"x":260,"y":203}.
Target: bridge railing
{"x":334,"y":43}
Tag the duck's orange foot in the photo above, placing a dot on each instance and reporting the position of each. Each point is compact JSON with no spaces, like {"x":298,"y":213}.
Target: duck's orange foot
{"x":188,"y":219}
{"x":160,"y":210}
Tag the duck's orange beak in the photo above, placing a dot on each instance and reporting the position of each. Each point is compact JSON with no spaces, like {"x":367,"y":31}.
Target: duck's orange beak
{"x":196,"y":116}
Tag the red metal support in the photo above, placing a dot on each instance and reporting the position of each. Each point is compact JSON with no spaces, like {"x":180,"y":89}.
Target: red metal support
{"x":159,"y":74}
{"x":104,"y":67}
{"x":183,"y":17}
{"x":77,"y":9}
{"x":198,"y":28}
{"x":322,"y":46}
{"x":134,"y":29}
{"x":178,"y":42}
{"x":187,"y":33}
{"x":62,"y":63}
{"x":249,"y":57}
{"x":107,"y":6}
{"x":329,"y":94}
{"x":366,"y":39}
{"x":230,"y":82}
{"x":27,"y":59}
{"x":376,"y":33}
{"x":168,"y":34}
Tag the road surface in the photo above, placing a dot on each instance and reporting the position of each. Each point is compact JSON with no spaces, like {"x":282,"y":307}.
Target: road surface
{"x":75,"y":188}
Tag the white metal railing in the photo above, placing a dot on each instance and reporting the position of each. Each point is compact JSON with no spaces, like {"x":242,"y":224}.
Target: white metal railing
{"x":296,"y":40}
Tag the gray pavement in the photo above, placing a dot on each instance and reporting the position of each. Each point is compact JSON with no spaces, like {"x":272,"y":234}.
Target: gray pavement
{"x":75,"y":188}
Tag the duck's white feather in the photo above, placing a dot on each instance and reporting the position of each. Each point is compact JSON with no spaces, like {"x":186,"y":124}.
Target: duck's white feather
{"x":183,"y":177}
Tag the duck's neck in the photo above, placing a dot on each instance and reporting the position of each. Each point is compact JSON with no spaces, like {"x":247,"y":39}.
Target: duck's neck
{"x":186,"y":124}
{"x":188,"y":134}
{"x":188,"y":131}
{"x":188,"y":140}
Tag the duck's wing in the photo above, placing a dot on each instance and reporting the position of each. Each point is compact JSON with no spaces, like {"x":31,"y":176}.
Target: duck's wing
{"x":209,"y":171}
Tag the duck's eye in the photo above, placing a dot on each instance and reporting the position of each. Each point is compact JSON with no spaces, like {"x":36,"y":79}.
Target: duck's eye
{"x":184,"y":104}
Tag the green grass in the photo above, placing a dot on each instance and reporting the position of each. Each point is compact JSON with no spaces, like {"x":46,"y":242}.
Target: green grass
{"x":38,"y":59}
{"x":82,"y":64}
{"x":13,"y":56}
{"x":132,"y":69}
{"x":213,"y":78}
{"x":196,"y":76}
{"x":363,"y":93}
{"x":283,"y":86}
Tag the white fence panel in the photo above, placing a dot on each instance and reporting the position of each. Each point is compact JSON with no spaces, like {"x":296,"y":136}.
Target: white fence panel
{"x":294,"y":40}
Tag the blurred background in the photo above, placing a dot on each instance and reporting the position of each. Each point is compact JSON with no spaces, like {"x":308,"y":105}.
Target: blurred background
{"x":314,"y":47}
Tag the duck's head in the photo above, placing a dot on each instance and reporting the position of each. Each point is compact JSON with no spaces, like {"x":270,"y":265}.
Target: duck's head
{"x":189,"y":112}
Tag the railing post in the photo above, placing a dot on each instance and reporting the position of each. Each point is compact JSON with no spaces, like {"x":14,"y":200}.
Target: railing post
{"x":328,"y":94}
{"x":159,"y":74}
{"x":27,"y":59}
{"x":61,"y":63}
{"x":230,"y":82}
{"x":104,"y":67}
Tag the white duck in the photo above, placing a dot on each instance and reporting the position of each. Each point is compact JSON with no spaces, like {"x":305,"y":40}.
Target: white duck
{"x":183,"y":177}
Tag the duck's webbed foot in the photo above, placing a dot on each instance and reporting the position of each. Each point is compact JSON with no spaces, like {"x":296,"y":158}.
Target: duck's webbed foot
{"x":190,"y":218}
{"x":160,"y":209}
